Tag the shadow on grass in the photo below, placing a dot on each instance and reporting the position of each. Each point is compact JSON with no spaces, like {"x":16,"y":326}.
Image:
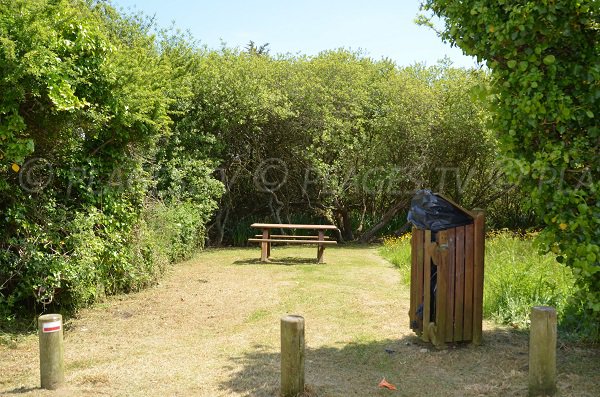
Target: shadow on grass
{"x":22,"y":390}
{"x":354,"y":368}
{"x":286,"y":261}
{"x":354,"y":245}
{"x":275,"y":259}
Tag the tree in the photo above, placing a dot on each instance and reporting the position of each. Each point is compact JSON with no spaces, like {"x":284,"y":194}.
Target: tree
{"x":336,"y":137}
{"x":544,"y":57}
{"x":252,"y":49}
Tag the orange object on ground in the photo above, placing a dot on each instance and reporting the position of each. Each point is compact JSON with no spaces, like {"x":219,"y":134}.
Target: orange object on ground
{"x":386,"y":384}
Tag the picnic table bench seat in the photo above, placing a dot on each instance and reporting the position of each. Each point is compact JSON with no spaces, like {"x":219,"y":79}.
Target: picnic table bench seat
{"x":292,"y":236}
{"x":280,"y":240}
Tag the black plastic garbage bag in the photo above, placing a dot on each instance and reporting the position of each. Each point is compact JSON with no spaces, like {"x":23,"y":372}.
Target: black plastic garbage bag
{"x":432,"y":212}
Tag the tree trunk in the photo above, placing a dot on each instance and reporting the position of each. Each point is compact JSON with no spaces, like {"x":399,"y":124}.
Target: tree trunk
{"x":404,"y":229}
{"x":345,"y":223}
{"x":220,"y":222}
{"x":370,"y":234}
{"x":330,"y":219}
{"x":362,"y":217}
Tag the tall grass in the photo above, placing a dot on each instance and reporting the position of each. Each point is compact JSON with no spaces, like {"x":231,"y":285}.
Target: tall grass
{"x":516,"y":277}
{"x":397,"y":251}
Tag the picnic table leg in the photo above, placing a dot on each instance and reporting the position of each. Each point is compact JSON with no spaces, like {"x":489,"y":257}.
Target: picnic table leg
{"x":320,"y":247}
{"x":265,"y":249}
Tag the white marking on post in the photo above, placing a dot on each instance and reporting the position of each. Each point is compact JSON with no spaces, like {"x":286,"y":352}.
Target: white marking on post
{"x":52,"y":326}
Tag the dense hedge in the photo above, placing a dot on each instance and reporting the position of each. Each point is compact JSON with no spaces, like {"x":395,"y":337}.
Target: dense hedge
{"x":544,"y":58}
{"x":344,"y":139}
{"x":86,"y":96}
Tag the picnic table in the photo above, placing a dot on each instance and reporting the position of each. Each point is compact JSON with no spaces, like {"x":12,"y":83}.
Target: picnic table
{"x":266,"y":238}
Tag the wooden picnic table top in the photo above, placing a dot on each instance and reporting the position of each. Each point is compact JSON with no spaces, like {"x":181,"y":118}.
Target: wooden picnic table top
{"x":292,"y":226}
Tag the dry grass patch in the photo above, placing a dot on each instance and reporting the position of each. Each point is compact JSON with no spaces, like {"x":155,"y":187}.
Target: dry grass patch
{"x":211,"y":328}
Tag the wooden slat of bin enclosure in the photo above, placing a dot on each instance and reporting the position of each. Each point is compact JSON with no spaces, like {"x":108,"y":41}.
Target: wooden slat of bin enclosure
{"x":413,"y":279}
{"x":459,"y":287}
{"x":420,"y":258}
{"x":468,"y":302}
{"x":442,"y":285}
{"x":426,"y":284}
{"x":415,"y":282}
{"x":478,"y":257}
{"x":450,"y":291}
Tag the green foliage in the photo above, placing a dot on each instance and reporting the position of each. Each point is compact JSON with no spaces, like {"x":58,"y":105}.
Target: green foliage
{"x":111,"y":131}
{"x":338,"y":137}
{"x":87,"y":94}
{"x":397,"y":250}
{"x":179,"y":229}
{"x":517,"y":278}
{"x":544,"y":57}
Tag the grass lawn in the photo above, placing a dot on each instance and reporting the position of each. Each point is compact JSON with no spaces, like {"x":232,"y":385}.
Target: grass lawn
{"x":211,"y":328}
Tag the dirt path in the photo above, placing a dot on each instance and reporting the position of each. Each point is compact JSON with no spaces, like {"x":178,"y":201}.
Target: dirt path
{"x":212,"y":329}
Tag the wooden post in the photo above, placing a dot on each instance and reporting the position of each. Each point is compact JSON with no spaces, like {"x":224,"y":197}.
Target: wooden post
{"x":52,"y":373}
{"x":292,"y":356}
{"x":542,"y":351}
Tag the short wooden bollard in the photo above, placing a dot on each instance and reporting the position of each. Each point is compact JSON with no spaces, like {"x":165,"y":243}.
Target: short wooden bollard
{"x":542,"y":351}
{"x":52,"y":373}
{"x":292,"y":356}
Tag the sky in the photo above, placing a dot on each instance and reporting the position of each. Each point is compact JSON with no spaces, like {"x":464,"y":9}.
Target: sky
{"x":380,"y":28}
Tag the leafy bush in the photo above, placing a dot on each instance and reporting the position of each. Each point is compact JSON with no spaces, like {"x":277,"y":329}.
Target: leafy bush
{"x":178,"y":228}
{"x":339,"y":137}
{"x":87,"y":94}
{"x":544,"y":57}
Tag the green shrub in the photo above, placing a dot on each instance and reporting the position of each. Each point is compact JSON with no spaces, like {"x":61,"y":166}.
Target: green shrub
{"x":178,"y":228}
{"x":65,"y":269}
{"x":89,"y":96}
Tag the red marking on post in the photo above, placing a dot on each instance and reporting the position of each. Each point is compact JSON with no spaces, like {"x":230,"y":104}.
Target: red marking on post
{"x":52,"y":329}
{"x":52,"y":326}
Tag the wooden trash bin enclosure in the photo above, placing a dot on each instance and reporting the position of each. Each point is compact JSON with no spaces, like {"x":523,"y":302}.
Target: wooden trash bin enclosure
{"x":446,"y":287}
